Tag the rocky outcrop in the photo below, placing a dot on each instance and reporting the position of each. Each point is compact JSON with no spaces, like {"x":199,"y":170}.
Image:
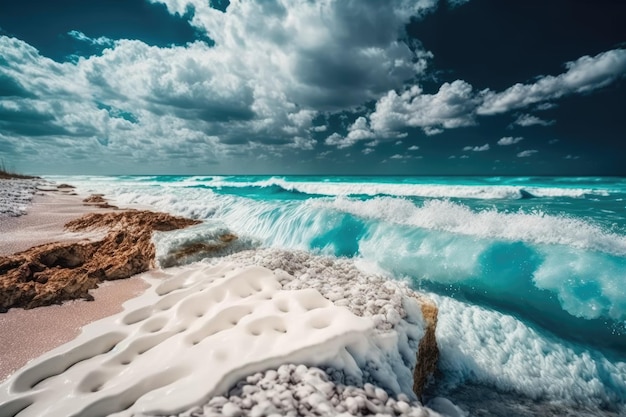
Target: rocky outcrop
{"x":428,"y":352}
{"x":55,"y":272}
{"x":98,"y":200}
{"x":195,"y":250}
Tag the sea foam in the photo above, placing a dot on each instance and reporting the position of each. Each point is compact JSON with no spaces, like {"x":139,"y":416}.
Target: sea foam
{"x":16,"y":195}
{"x":486,"y":347}
{"x":201,"y":328}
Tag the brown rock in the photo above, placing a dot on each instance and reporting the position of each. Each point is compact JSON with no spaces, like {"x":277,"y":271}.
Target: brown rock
{"x":198,"y":248}
{"x":55,"y":272}
{"x":98,"y":200}
{"x":428,"y":352}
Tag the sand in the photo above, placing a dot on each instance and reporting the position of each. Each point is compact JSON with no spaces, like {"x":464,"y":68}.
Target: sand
{"x":43,"y":222}
{"x":27,"y":334}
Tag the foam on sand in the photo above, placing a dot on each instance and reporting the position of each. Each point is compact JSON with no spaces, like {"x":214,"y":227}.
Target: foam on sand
{"x":197,"y":331}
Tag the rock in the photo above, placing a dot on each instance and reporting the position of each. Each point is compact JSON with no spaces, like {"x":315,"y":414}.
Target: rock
{"x":428,"y":352}
{"x":98,"y":200}
{"x":56,"y":272}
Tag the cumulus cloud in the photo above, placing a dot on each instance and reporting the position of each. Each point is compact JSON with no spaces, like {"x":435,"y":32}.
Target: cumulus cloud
{"x":457,"y":105}
{"x":509,"y":140}
{"x":526,"y":120}
{"x":357,"y":131}
{"x":413,"y":148}
{"x":274,"y":67}
{"x":582,"y":76}
{"x":452,"y":106}
{"x":482,"y":148}
{"x":528,"y":153}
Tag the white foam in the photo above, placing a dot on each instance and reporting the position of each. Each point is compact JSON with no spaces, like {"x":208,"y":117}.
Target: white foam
{"x":207,"y":235}
{"x":193,"y":335}
{"x":407,"y":190}
{"x":294,"y":224}
{"x":487,"y":347}
{"x":16,"y":195}
{"x":444,"y":215}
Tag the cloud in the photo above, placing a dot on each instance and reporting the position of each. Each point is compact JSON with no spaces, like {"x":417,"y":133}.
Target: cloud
{"x":357,"y":131}
{"x":482,"y":148}
{"x":526,"y":120}
{"x":528,"y":153}
{"x":274,"y":68}
{"x":100,"y":41}
{"x":509,"y":140}
{"x":582,"y":76}
{"x":328,"y":54}
{"x":413,"y":148}
{"x":456,"y":104}
{"x":451,"y":107}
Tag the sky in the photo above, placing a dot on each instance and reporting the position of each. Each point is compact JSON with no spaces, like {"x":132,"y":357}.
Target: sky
{"x":399,"y":87}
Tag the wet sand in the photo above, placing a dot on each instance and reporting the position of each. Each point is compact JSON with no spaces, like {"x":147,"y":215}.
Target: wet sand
{"x":27,"y":334}
{"x":43,"y":222}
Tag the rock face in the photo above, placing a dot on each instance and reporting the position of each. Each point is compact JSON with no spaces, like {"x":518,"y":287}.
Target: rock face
{"x":55,"y":272}
{"x":428,"y":352}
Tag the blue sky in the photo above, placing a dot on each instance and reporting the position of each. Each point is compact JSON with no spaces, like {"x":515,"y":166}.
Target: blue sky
{"x":425,"y":87}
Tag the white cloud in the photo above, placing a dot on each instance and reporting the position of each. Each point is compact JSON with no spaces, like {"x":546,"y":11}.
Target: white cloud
{"x":274,"y":68}
{"x":582,"y":76}
{"x":464,"y":157}
{"x":572,"y":157}
{"x":509,"y":140}
{"x":100,"y":41}
{"x":432,"y":131}
{"x":526,"y":120}
{"x":357,"y":131}
{"x":367,"y":151}
{"x":545,"y":106}
{"x":452,"y":106}
{"x":482,"y":148}
{"x":528,"y":153}
{"x":413,"y":148}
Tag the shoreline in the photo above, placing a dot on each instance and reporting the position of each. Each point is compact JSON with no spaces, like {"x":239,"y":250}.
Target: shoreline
{"x":44,"y":221}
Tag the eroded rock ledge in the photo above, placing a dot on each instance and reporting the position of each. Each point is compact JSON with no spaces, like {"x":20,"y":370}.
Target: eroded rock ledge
{"x":55,"y":272}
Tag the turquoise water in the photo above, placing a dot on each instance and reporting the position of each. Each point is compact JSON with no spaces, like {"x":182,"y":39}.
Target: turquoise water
{"x":548,"y":252}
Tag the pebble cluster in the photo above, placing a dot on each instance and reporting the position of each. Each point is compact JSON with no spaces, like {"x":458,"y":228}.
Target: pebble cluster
{"x":338,"y":280}
{"x":297,"y":390}
{"x":16,"y":195}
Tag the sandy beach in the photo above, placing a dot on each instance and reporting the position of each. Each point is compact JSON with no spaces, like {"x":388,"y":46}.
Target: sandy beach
{"x":197,"y":323}
{"x":44,"y":222}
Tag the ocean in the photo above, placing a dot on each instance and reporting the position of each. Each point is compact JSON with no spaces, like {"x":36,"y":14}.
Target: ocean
{"x":529,"y":272}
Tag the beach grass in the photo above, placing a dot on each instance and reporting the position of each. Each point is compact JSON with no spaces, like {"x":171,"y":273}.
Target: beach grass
{"x":6,"y":173}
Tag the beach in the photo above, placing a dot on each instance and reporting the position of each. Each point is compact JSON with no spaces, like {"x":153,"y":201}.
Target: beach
{"x":265,"y":297}
{"x":338,"y":336}
{"x":46,"y":215}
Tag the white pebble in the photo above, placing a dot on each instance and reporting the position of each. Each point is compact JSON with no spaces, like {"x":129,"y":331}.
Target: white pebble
{"x":381,"y":394}
{"x":231,"y":410}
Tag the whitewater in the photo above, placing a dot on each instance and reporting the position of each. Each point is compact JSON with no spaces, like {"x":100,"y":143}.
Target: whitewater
{"x":529,"y":273}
